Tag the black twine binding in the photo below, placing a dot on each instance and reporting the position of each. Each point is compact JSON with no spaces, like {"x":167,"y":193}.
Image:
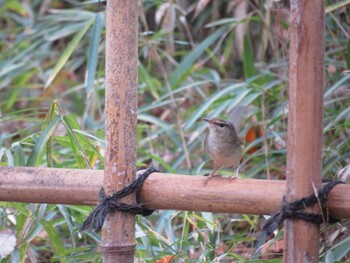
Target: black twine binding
{"x":110,"y":204}
{"x":293,"y":209}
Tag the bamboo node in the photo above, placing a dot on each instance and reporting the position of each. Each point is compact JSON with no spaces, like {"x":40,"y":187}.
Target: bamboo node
{"x":117,"y":249}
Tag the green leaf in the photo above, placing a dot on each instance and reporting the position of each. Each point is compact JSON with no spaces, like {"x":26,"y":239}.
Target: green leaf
{"x":192,"y":85}
{"x":209,"y":220}
{"x":15,"y":6}
{"x":53,"y":111}
{"x":160,"y":160}
{"x":35,"y":226}
{"x":77,"y":140}
{"x":92,"y":2}
{"x":168,"y":128}
{"x":68,"y":221}
{"x":55,"y":240}
{"x":248,"y":59}
{"x":329,"y":257}
{"x":150,"y":82}
{"x":93,"y":54}
{"x":340,"y":117}
{"x":18,"y":155}
{"x":233,"y":21}
{"x":67,"y":53}
{"x":336,"y":85}
{"x":65,"y":31}
{"x":205,"y":106}
{"x":21,"y":82}
{"x":188,"y":62}
{"x":10,"y":159}
{"x":341,"y":249}
{"x":15,"y":256}
{"x":41,"y":142}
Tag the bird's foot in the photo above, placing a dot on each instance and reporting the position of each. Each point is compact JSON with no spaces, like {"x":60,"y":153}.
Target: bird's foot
{"x":236,"y":172}
{"x":210,"y":176}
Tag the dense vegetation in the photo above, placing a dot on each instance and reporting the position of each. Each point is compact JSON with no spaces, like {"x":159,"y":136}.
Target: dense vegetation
{"x":197,"y":58}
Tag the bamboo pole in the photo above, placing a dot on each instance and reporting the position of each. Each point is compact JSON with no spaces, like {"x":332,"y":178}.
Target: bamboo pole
{"x":118,"y":234}
{"x":160,"y":191}
{"x":304,"y":158}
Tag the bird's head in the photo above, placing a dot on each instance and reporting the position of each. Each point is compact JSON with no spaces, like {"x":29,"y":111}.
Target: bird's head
{"x":220,"y":127}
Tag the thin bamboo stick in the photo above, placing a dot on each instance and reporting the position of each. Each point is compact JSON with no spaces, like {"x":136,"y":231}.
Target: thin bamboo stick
{"x":304,"y":158}
{"x":118,"y":234}
{"x":160,"y":191}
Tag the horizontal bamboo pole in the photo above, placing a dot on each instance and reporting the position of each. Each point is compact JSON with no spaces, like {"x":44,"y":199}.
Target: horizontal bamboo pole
{"x":160,"y":191}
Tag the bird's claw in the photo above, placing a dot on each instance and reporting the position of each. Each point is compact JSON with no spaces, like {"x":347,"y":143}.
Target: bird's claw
{"x":210,"y":176}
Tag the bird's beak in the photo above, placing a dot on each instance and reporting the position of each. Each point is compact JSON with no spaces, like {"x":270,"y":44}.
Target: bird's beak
{"x":207,"y":120}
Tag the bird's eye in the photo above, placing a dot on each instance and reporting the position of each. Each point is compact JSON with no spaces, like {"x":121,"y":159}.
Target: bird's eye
{"x":221,"y":125}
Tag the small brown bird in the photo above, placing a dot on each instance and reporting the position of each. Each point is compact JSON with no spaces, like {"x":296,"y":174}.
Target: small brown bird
{"x":222,"y":145}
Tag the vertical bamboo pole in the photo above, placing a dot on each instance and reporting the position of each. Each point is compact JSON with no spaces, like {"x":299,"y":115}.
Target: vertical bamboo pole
{"x":304,"y":161}
{"x":118,"y":233}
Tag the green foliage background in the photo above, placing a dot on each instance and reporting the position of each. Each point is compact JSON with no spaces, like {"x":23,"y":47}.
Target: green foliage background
{"x":196,"y":59}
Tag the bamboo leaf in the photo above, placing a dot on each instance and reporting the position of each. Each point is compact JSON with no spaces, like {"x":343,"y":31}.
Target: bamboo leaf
{"x":336,"y":85}
{"x":329,"y":257}
{"x":341,"y":249}
{"x":55,"y":240}
{"x":150,"y":82}
{"x":67,"y":53}
{"x":77,"y":147}
{"x":93,"y":54}
{"x":188,"y":62}
{"x":18,"y":155}
{"x":248,"y":59}
{"x":41,"y":142}
{"x":205,"y":106}
{"x":53,"y":111}
{"x":64,"y":211}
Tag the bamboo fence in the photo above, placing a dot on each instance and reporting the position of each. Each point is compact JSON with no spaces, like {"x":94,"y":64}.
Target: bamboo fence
{"x":183,"y":192}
